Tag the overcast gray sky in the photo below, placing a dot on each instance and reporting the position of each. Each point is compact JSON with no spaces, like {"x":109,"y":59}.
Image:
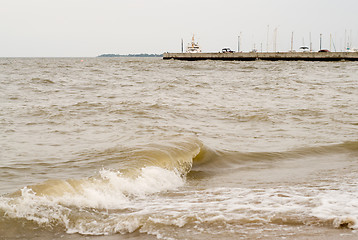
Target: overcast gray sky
{"x":86,"y":28}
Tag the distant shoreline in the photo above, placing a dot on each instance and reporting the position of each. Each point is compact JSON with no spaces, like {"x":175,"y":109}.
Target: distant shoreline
{"x":131,"y":55}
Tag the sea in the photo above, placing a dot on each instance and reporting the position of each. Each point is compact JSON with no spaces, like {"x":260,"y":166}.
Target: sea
{"x":146,"y":148}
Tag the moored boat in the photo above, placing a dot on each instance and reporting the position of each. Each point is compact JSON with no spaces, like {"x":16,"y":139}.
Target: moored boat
{"x":193,"y":47}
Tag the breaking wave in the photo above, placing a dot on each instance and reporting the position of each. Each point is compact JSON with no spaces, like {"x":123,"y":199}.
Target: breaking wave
{"x":116,"y":199}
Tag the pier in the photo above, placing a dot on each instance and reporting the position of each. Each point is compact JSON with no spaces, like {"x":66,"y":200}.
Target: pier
{"x":268,"y":56}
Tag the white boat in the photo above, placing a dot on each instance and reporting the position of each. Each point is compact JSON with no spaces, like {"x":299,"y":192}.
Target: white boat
{"x":193,"y":47}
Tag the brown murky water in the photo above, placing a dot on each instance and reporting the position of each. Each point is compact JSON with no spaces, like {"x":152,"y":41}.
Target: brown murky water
{"x":142,"y":148}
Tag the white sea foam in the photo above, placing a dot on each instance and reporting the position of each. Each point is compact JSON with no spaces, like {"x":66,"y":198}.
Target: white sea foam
{"x":113,"y":191}
{"x":116,"y":204}
{"x":340,"y":206}
{"x":110,"y":191}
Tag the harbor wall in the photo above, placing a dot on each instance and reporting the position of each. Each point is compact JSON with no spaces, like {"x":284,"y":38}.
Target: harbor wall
{"x":270,"y":56}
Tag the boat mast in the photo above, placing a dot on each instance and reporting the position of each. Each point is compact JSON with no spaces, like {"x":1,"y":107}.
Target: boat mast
{"x":182,"y":46}
{"x":292,"y":42}
{"x":320,"y":41}
{"x":275,"y":39}
{"x":345,"y":40}
{"x":267,"y":39}
{"x":238,"y":42}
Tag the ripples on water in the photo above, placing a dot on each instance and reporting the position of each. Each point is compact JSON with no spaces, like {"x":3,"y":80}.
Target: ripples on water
{"x":170,"y":149}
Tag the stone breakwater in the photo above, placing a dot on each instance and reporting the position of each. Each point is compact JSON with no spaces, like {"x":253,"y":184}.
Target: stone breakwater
{"x":270,"y":56}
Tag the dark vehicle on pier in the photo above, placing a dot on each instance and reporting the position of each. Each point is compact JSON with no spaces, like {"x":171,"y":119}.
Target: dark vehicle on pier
{"x":227,"y":50}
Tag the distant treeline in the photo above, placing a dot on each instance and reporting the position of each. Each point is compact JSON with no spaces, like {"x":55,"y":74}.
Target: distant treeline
{"x":132,"y":55}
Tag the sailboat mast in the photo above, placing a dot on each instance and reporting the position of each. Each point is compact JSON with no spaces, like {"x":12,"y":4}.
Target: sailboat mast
{"x":320,"y":41}
{"x":182,"y":46}
{"x":292,"y":42}
{"x":238,"y":42}
{"x":267,"y":39}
